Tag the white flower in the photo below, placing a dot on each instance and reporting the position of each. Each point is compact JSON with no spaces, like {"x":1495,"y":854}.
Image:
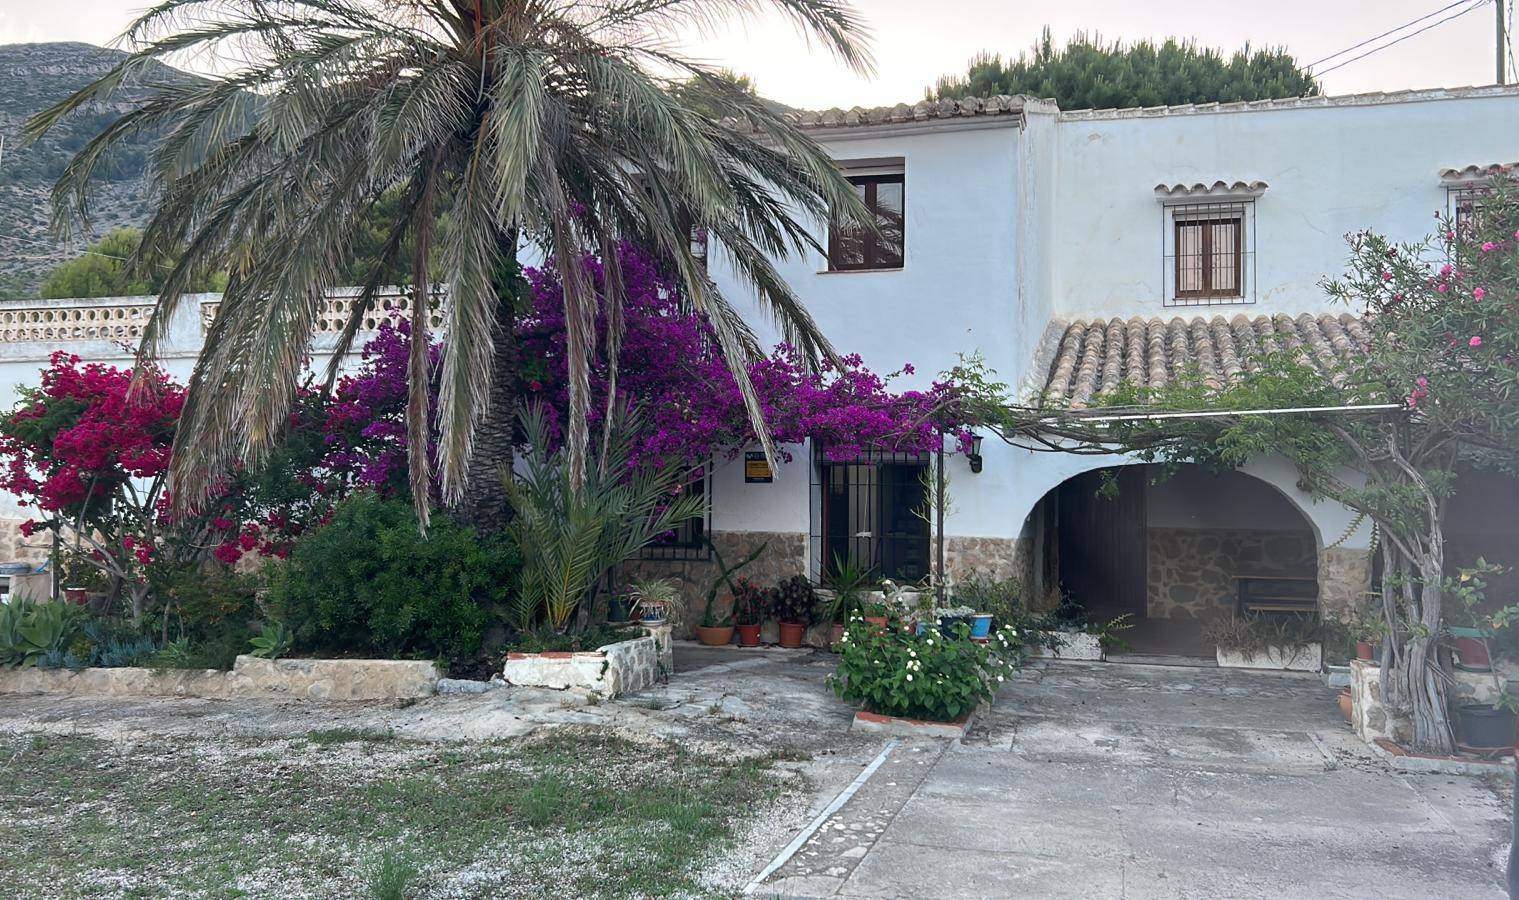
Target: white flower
{"x":930,"y":642}
{"x":912,"y":653}
{"x":909,"y":677}
{"x":999,"y":678}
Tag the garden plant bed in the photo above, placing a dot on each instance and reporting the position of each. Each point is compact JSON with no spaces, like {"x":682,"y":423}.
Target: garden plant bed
{"x":1305,"y":658}
{"x":608,"y":671}
{"x":299,"y":679}
{"x":345,"y":812}
{"x":875,"y":723}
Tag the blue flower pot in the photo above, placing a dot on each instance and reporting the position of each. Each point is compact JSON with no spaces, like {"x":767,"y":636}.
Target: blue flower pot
{"x":981,"y":625}
{"x":922,"y":629}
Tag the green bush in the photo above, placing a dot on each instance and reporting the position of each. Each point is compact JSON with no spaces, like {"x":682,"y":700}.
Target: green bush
{"x":210,"y":606}
{"x":893,"y":673}
{"x":369,"y":584}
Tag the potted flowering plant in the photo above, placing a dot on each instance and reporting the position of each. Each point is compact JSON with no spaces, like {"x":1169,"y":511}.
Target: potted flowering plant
{"x":795,"y":608}
{"x":846,"y":583}
{"x":750,"y":604}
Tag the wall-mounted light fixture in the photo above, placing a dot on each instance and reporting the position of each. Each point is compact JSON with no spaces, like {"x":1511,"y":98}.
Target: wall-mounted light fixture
{"x":974,"y":456}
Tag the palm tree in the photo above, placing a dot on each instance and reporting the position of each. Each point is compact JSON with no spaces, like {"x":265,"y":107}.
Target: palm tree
{"x":574,"y":125}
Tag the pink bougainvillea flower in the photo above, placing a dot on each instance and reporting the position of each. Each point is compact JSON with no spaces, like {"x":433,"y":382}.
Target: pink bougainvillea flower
{"x":1488,"y":246}
{"x":1479,"y":293}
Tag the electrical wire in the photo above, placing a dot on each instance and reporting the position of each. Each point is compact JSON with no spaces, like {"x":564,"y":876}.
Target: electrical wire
{"x":1475,"y":6}
{"x":1386,"y":33}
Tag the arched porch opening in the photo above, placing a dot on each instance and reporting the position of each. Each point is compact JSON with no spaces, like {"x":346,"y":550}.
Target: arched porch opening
{"x":1172,"y":553}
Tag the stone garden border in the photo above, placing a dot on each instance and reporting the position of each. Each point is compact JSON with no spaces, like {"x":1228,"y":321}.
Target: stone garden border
{"x":1303,"y":658}
{"x":1073,"y":645}
{"x":296,"y":679}
{"x":609,"y":671}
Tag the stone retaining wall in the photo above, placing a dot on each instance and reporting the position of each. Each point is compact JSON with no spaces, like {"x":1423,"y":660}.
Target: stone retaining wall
{"x":785,"y":555}
{"x":297,"y":679}
{"x":620,"y":668}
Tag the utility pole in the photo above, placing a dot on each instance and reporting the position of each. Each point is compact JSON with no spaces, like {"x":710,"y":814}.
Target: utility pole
{"x":1502,"y":44}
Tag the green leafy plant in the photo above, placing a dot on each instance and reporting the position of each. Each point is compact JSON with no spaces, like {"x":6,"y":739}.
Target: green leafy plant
{"x":796,"y":601}
{"x":709,"y":617}
{"x":272,"y":642}
{"x":656,"y":596}
{"x":391,"y":877}
{"x":751,"y":603}
{"x":1002,"y":598}
{"x":893,"y":673}
{"x":370,"y":583}
{"x":33,"y":633}
{"x":575,"y":527}
{"x":848,"y":581}
{"x":178,"y":654}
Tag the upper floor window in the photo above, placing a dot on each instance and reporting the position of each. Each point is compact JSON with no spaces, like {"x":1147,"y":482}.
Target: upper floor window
{"x":1466,"y":206}
{"x":883,"y":190}
{"x":1209,"y":253}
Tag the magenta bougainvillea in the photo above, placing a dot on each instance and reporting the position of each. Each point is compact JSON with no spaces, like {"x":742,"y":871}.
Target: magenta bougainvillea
{"x":669,"y":367}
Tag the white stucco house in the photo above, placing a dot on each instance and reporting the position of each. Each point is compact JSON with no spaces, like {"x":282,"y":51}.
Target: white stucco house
{"x":1070,"y":249}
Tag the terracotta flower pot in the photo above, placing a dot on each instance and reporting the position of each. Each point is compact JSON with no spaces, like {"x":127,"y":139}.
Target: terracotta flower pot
{"x":1346,"y":704}
{"x":877,"y":623}
{"x":791,"y":634}
{"x":76,"y":595}
{"x":836,"y":634}
{"x":748,"y":635}
{"x":715,"y":636}
{"x":1364,"y":650}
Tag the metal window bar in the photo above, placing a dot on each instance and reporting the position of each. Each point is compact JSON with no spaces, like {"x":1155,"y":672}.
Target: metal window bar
{"x":1464,"y":206}
{"x":688,"y":541}
{"x":1208,"y":253}
{"x":869,"y":510}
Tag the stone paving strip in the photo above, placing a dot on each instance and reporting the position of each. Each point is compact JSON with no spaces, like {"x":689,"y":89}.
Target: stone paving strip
{"x":829,"y":857}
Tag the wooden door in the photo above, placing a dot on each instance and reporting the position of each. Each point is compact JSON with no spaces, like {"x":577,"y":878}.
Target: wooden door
{"x":1103,"y":563}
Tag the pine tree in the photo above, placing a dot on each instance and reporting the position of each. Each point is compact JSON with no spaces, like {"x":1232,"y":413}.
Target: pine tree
{"x":1090,"y":74}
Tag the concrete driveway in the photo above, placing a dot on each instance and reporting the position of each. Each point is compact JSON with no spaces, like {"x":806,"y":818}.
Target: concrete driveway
{"x":1100,"y":780}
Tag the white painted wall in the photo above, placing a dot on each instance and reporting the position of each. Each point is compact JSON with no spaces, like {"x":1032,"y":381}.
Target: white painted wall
{"x":1331,"y":170}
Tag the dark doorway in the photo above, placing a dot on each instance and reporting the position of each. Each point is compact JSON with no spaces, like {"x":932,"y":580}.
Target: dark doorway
{"x":871,"y":515}
{"x":1103,"y":564}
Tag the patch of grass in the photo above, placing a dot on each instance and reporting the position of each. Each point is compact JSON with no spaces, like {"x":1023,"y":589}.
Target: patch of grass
{"x":324,"y":737}
{"x":575,"y":813}
{"x":390,"y":876}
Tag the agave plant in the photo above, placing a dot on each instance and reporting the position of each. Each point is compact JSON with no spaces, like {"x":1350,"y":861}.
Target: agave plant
{"x":570,"y":537}
{"x":573,"y":124}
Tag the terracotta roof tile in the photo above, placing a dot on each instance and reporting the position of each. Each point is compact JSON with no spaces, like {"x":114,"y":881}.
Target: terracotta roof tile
{"x":1093,"y":357}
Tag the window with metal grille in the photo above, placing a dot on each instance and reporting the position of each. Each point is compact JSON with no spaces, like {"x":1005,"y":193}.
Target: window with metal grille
{"x":870,"y":511}
{"x":688,"y":539}
{"x":1209,"y":253}
{"x":852,"y":248}
{"x":1464,"y":205}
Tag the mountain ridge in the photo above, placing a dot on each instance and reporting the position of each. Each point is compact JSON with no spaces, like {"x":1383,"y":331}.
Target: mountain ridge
{"x":33,"y":77}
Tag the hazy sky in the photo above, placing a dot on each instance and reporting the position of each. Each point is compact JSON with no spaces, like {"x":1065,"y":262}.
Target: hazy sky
{"x":917,"y":40}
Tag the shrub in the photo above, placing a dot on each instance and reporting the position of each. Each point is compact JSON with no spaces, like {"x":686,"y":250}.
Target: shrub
{"x":795,"y":601}
{"x":893,"y":673}
{"x":1252,"y":636}
{"x":369,"y":583}
{"x":983,"y":593}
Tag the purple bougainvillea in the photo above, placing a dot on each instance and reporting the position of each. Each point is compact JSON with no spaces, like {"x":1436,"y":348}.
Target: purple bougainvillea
{"x":670,"y":368}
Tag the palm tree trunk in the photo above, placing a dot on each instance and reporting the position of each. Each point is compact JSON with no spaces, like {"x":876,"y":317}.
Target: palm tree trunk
{"x":484,"y":505}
